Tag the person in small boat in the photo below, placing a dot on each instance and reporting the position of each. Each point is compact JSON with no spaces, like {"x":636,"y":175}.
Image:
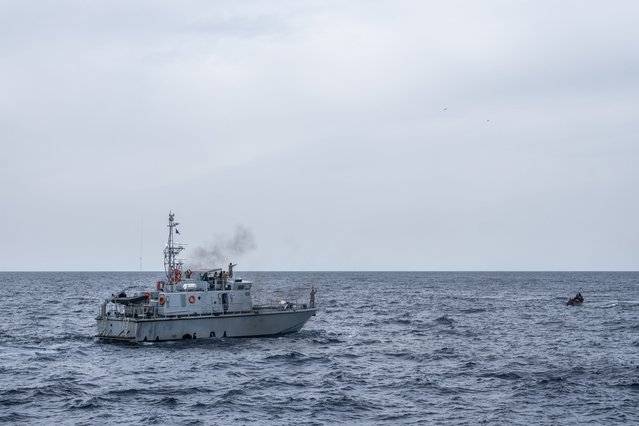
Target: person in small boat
{"x":575,"y":300}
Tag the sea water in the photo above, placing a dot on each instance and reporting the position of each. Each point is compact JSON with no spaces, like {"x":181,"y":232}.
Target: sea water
{"x":384,"y":348}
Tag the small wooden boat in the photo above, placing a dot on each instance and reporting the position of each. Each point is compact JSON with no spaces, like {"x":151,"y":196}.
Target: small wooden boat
{"x":577,"y":300}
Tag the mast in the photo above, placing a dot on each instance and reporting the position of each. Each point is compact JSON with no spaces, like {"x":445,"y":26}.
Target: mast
{"x":172,"y":266}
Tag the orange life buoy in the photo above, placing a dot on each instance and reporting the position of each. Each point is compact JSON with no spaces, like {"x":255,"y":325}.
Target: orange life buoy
{"x":159,"y":286}
{"x":162,"y":299}
{"x":147,"y":294}
{"x":176,"y":275}
{"x":192,"y":299}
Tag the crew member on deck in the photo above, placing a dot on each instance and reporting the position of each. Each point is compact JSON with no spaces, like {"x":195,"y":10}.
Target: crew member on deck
{"x":231,"y":265}
{"x":312,"y":301}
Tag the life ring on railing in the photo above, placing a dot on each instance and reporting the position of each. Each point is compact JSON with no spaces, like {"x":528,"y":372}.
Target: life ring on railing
{"x":147,"y":294}
{"x":192,"y":299}
{"x":162,"y":300}
{"x":159,"y":286}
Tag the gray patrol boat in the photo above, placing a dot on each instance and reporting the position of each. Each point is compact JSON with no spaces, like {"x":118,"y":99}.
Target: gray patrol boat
{"x":198,"y":304}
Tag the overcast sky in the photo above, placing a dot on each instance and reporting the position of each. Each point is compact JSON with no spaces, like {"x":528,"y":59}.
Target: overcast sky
{"x":337,"y":135}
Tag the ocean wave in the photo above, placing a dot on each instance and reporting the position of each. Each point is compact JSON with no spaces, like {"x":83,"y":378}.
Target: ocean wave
{"x":445,"y":352}
{"x":15,"y":417}
{"x":346,"y":403}
{"x":550,"y":380}
{"x":444,"y":319}
{"x":290,"y":356}
{"x":231,"y":395}
{"x":503,"y":375}
{"x":91,"y":403}
{"x":473,"y":311}
{"x":633,"y":386}
{"x":327,"y":341}
{"x":168,"y":391}
{"x":167,"y":400}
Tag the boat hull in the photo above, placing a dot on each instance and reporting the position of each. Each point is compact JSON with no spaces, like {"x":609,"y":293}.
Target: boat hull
{"x":252,"y":324}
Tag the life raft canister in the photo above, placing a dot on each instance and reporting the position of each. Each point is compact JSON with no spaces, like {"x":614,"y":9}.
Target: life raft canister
{"x":192,"y":299}
{"x":162,"y":300}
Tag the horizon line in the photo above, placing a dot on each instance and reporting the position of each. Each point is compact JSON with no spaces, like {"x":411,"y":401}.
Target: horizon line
{"x":345,"y":270}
